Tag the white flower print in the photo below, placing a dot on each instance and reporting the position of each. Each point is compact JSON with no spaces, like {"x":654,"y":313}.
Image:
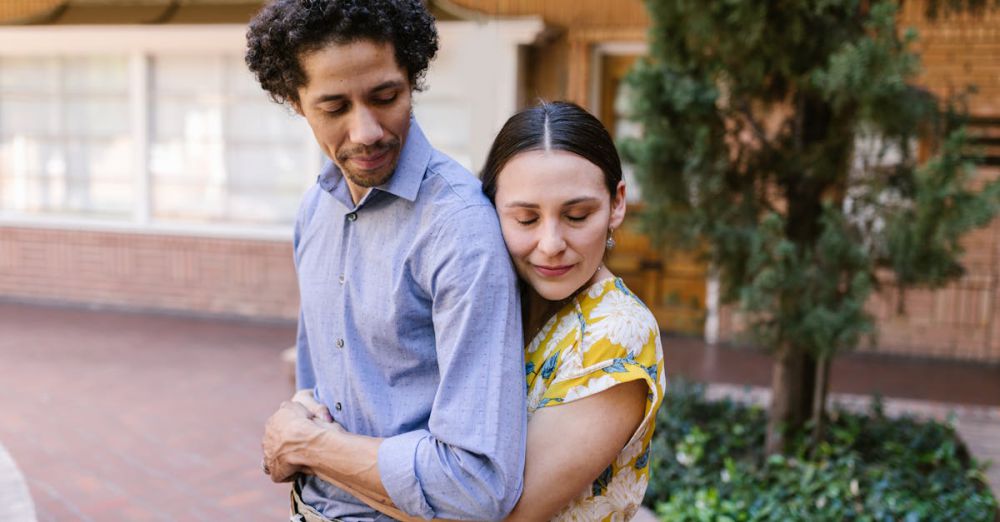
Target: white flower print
{"x":623,"y":321}
{"x":535,"y":395}
{"x":594,"y":385}
{"x":619,"y":503}
{"x":537,"y":341}
{"x":629,"y":453}
{"x":626,"y":491}
{"x":598,"y":288}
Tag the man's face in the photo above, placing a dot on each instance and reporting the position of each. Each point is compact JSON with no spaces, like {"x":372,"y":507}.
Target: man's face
{"x":357,"y":102}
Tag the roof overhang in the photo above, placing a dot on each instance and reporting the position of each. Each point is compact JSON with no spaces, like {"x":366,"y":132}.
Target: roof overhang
{"x":86,"y":12}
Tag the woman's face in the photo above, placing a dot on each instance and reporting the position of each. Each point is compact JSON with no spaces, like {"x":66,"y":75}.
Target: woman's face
{"x":555,"y":212}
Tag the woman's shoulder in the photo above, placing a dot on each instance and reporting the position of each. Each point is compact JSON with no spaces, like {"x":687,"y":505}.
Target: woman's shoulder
{"x":611,"y":301}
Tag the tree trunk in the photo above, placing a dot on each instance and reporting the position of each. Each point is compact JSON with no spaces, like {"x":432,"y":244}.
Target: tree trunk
{"x":792,"y":388}
{"x":786,"y":390}
{"x":820,"y":390}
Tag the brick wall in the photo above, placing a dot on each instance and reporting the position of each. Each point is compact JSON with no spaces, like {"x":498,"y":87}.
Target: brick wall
{"x":232,"y":277}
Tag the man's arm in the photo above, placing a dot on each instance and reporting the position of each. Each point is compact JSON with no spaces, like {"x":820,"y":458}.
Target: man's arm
{"x":307,"y":443}
{"x":469,"y":463}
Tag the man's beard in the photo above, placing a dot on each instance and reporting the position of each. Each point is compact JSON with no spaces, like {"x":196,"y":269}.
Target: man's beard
{"x":374,"y":178}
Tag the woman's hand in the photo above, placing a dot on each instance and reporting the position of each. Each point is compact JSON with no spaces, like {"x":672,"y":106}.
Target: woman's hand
{"x":317,"y":410}
{"x":286,"y":435}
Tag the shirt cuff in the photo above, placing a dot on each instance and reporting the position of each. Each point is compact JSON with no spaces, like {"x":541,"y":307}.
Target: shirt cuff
{"x":397,"y":468}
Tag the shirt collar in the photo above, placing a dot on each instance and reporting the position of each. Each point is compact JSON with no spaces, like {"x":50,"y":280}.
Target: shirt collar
{"x":410,"y":169}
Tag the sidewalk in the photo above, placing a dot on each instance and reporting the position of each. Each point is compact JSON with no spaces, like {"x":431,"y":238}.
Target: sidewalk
{"x":116,"y":416}
{"x":132,"y":417}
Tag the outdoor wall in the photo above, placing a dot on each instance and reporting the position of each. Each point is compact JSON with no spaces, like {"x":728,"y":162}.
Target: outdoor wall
{"x":191,"y":275}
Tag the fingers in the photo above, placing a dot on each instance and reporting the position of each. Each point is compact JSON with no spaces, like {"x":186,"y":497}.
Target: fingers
{"x":315,"y":408}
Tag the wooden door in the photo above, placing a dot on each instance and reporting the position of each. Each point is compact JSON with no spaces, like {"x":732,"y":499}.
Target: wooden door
{"x":672,"y":285}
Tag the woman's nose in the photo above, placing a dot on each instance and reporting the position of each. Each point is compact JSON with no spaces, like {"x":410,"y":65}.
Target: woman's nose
{"x":551,"y":242}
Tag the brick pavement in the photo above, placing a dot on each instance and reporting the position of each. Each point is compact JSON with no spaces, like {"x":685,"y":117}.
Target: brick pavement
{"x":115,"y":416}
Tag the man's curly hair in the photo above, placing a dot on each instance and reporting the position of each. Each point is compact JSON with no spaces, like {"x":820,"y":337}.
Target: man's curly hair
{"x":284,"y":30}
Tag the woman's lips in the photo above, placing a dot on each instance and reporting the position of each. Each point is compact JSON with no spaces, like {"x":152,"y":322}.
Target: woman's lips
{"x":552,"y":271}
{"x":371,"y":162}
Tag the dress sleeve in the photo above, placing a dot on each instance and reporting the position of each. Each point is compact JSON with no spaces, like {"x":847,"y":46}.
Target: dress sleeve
{"x":605,"y":357}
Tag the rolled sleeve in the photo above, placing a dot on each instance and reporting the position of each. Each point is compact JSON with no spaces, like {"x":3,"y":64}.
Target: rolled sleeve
{"x":398,"y":471}
{"x":469,"y":464}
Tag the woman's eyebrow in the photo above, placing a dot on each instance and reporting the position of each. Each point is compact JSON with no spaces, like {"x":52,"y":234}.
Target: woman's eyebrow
{"x":521,"y":204}
{"x":582,"y":199}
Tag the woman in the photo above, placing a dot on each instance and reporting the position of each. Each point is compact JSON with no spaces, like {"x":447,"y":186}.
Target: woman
{"x":594,"y":363}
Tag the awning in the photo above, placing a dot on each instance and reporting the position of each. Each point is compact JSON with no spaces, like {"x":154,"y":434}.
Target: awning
{"x":72,"y":12}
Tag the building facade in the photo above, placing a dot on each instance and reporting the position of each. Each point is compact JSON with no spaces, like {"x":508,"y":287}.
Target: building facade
{"x":141,"y":167}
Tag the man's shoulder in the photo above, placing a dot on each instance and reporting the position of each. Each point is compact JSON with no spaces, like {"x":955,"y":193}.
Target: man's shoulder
{"x":451,"y":188}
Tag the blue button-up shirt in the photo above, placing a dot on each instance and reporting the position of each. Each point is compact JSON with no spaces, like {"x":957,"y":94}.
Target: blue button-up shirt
{"x":410,"y":329}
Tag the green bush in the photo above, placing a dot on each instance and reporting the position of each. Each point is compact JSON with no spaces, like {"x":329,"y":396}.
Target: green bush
{"x":708,"y":465}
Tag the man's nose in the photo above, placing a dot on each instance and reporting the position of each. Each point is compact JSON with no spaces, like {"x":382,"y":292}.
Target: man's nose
{"x":365,"y":128}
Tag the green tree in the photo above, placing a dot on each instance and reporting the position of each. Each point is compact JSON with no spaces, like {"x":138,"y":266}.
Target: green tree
{"x":781,"y":139}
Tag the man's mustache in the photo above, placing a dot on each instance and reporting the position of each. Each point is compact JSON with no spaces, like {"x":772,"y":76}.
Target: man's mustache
{"x":369,"y":150}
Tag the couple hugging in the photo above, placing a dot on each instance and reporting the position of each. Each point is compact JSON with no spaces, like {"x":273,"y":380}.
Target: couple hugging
{"x":463,"y":351}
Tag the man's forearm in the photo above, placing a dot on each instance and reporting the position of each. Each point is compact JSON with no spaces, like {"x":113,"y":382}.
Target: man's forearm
{"x":348,"y":460}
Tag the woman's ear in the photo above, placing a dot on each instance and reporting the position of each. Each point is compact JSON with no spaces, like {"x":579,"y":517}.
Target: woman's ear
{"x":618,"y":206}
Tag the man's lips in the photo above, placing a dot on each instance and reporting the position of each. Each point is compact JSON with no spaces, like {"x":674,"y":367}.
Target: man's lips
{"x":371,"y":161}
{"x":552,"y":271}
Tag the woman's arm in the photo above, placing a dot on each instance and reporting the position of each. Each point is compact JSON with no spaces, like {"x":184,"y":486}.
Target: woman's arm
{"x":570,"y":444}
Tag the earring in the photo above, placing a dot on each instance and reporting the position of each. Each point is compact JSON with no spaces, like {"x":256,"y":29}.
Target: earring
{"x":611,"y":240}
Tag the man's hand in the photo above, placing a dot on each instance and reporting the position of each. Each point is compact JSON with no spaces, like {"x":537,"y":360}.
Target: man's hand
{"x":287,"y":435}
{"x":317,"y":410}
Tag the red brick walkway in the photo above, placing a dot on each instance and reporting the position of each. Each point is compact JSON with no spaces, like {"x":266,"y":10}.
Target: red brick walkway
{"x":132,"y":417}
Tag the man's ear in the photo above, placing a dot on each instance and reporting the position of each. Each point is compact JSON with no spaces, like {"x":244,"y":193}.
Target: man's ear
{"x":618,"y":206}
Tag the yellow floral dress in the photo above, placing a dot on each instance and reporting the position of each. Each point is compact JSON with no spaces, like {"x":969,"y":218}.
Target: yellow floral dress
{"x":603,"y":337}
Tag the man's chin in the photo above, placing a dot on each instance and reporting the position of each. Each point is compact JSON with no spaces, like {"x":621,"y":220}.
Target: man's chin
{"x":369,"y":179}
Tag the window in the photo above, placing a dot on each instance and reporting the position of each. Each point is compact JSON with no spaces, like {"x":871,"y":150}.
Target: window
{"x":65,"y":140}
{"x":220,"y":150}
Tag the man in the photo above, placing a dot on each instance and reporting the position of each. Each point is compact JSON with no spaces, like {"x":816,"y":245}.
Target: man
{"x":409,"y":329}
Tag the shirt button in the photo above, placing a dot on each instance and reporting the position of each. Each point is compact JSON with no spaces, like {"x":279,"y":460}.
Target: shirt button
{"x":342,"y":279}
{"x":340,"y":343}
{"x":338,"y":406}
{"x":353,"y":216}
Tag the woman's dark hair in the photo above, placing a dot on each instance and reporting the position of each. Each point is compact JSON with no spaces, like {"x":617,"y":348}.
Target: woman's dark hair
{"x":553,"y":126}
{"x":284,"y":30}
